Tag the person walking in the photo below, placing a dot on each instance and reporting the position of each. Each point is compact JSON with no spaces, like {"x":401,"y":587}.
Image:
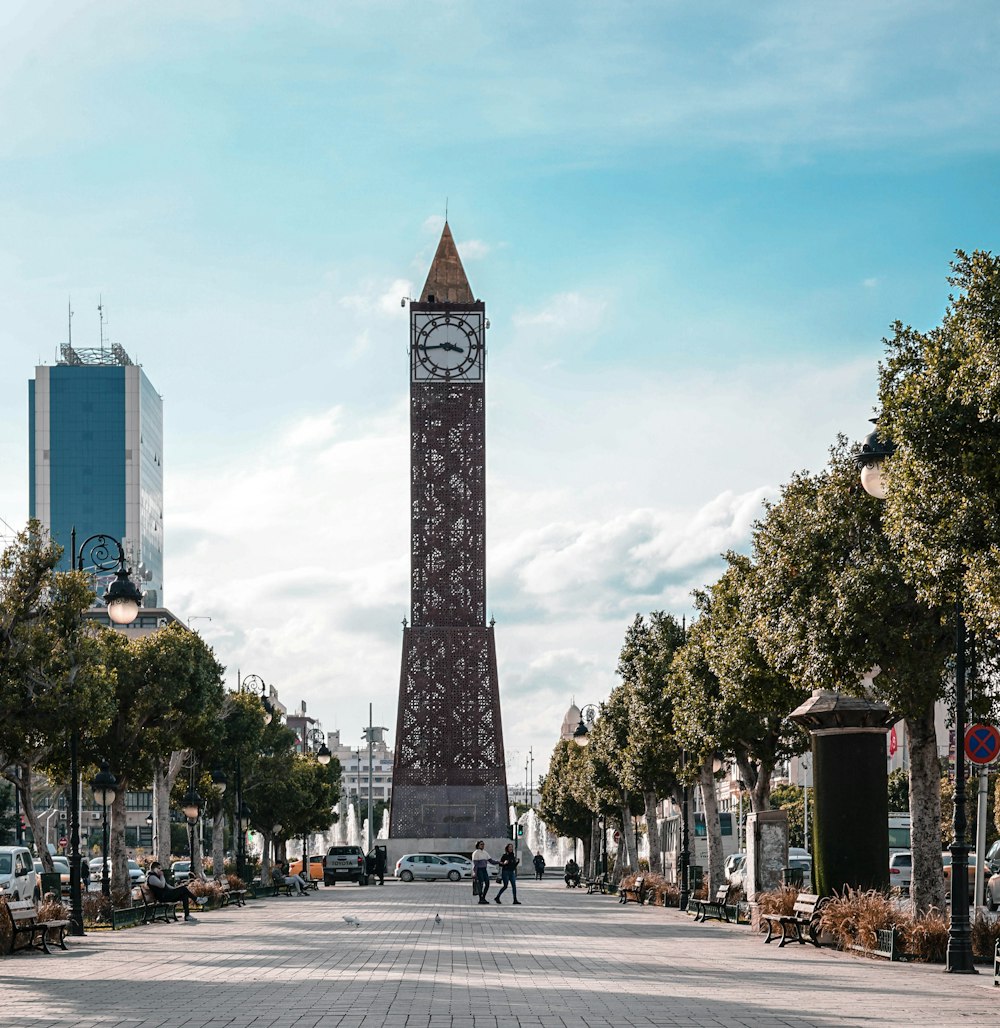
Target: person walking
{"x":508,"y":873}
{"x":539,"y":863}
{"x":480,"y":869}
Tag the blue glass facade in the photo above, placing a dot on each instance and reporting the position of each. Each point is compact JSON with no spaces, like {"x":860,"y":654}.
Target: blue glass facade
{"x":86,"y":452}
{"x":96,"y":461}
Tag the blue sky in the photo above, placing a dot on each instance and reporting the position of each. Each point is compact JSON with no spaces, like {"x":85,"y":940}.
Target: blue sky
{"x":691,"y":227}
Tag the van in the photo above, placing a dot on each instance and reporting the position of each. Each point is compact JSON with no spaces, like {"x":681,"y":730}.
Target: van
{"x":18,"y":880}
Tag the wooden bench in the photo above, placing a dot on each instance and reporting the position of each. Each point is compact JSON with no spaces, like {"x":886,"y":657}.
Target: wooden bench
{"x":716,"y":908}
{"x":24,"y":921}
{"x":637,"y":891}
{"x":598,"y":884}
{"x":280,"y":886}
{"x":804,"y":916}
{"x":154,"y":909}
{"x":230,"y":895}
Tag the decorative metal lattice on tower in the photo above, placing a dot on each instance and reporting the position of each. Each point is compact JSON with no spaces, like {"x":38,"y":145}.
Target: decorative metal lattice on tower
{"x":449,"y":779}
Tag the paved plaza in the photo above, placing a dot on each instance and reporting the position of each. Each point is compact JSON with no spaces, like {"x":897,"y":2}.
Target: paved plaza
{"x":562,"y":958}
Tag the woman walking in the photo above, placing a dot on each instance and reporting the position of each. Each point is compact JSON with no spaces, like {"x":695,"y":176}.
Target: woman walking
{"x":480,"y":861}
{"x":508,"y":873}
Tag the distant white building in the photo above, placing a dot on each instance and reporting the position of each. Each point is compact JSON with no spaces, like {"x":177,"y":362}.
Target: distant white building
{"x":354,"y":767}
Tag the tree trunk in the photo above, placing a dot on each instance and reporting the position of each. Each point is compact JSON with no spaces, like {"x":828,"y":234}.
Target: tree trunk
{"x":163,"y":781}
{"x":757,"y":779}
{"x":23,"y":785}
{"x":713,"y":827}
{"x":121,"y":884}
{"x":927,"y":888}
{"x":595,"y":847}
{"x":265,"y":859}
{"x":628,"y":837}
{"x":652,"y":831}
{"x":219,"y":843}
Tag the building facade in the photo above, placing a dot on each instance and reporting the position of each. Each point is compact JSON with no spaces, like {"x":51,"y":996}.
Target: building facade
{"x":354,"y":767}
{"x":95,"y":457}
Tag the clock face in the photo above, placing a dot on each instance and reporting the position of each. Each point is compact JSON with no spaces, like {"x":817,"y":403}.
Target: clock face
{"x":448,"y":347}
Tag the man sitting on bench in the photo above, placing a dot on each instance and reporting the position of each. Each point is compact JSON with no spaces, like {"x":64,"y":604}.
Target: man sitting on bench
{"x":572,"y":874}
{"x":164,"y":893}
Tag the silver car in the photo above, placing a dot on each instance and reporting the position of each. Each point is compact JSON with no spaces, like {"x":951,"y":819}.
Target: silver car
{"x":462,"y":863}
{"x":426,"y":866}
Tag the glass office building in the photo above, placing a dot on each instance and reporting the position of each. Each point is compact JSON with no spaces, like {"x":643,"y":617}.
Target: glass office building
{"x":95,"y":438}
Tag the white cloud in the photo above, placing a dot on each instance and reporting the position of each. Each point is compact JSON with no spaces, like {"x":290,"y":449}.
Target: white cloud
{"x":564,"y":313}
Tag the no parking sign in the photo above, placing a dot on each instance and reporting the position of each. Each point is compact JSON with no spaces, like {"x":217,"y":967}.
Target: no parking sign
{"x":982,"y":744}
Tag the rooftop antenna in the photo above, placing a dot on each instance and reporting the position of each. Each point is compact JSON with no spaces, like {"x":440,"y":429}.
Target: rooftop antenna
{"x":100,"y":311}
{"x":69,"y":307}
{"x":446,"y":209}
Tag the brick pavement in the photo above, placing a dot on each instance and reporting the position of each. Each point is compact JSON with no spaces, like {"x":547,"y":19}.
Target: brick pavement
{"x":561,"y":959}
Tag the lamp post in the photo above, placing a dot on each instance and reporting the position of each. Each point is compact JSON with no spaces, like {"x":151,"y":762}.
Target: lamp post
{"x":684,"y":861}
{"x":581,"y":736}
{"x":870,"y":458}
{"x":104,"y":786}
{"x":191,"y":806}
{"x":248,"y":684}
{"x":123,"y":600}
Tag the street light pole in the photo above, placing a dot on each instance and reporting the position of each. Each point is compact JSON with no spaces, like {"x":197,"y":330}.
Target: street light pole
{"x":123,"y":600}
{"x":683,"y":893}
{"x":104,"y":787}
{"x":959,"y":960}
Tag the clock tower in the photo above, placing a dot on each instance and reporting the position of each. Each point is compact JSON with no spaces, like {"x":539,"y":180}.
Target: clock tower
{"x":449,"y":781}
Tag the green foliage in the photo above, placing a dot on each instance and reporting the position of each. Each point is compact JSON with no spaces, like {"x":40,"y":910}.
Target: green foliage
{"x":940,"y":398}
{"x":51,"y":678}
{"x":650,"y":756}
{"x":789,"y":798}
{"x":168,"y":695}
{"x":563,"y":793}
{"x":899,"y":790}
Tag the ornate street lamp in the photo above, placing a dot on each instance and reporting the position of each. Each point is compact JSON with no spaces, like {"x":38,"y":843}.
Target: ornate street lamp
{"x":581,"y":736}
{"x":248,"y":684}
{"x":123,"y":600}
{"x":323,"y":754}
{"x":104,"y":786}
{"x":870,"y":458}
{"x":191,"y":805}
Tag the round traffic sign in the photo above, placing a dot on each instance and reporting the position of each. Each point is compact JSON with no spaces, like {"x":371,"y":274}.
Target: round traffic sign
{"x":618,"y":836}
{"x":982,"y":744}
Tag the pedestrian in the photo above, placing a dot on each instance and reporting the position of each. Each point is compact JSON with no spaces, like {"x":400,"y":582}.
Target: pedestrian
{"x":480,"y":861}
{"x":84,"y":874}
{"x":381,"y":862}
{"x":571,"y":874}
{"x":163,"y":893}
{"x":508,"y":873}
{"x":539,"y":863}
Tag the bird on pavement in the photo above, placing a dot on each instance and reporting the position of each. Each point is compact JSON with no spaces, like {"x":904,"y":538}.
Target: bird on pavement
{"x":352,"y":920}
{"x":437,"y":919}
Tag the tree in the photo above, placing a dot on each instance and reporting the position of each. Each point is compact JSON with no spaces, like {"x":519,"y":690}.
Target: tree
{"x":168,"y":696}
{"x":832,"y":609}
{"x":606,"y":759}
{"x":651,"y":755}
{"x":563,"y":804}
{"x":899,"y":790}
{"x":940,"y":398}
{"x":790,"y":799}
{"x":698,"y":715}
{"x":51,"y":678}
{"x":754,"y":698}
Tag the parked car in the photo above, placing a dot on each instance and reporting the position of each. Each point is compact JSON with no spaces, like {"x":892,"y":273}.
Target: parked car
{"x":464,"y":864}
{"x":60,"y":866}
{"x":18,"y":878}
{"x":733,"y":861}
{"x":315,"y":867}
{"x":993,"y":857}
{"x":993,"y":892}
{"x":180,"y":871}
{"x":344,"y":863}
{"x":901,"y":870}
{"x":946,"y":859}
{"x":427,"y":867}
{"x":135,"y":873}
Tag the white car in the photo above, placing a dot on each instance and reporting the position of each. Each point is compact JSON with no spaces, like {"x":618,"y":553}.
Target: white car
{"x":462,"y":863}
{"x":426,"y":866}
{"x":901,"y":870}
{"x":18,"y":878}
